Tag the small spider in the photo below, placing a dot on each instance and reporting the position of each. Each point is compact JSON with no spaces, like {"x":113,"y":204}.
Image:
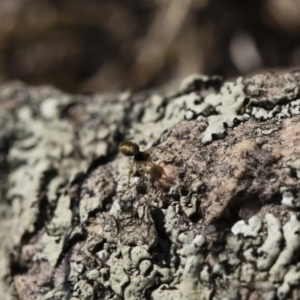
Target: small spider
{"x":143,"y":162}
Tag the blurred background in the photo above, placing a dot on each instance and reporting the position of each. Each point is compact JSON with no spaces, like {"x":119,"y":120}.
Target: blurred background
{"x":108,"y":45}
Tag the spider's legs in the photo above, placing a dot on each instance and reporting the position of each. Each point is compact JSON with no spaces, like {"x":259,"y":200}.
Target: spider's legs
{"x":160,"y":148}
{"x":158,"y":172}
{"x":164,"y":149}
{"x":142,"y":169}
{"x":130,"y":173}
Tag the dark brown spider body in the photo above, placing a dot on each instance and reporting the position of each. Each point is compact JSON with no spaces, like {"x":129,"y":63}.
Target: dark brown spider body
{"x":143,"y":162}
{"x":142,"y":157}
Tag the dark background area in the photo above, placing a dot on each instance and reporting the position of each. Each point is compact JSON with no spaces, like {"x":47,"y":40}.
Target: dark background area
{"x":98,"y":45}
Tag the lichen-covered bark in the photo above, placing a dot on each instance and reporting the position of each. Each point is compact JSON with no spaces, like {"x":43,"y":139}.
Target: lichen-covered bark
{"x":227,"y":226}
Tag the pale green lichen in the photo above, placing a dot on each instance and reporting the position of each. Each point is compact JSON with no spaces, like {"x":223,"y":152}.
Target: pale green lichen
{"x":228,"y":104}
{"x":291,"y":279}
{"x":83,"y":290}
{"x":270,"y":250}
{"x":291,"y":235}
{"x":289,"y":199}
{"x":248,"y":230}
{"x":294,"y":164}
{"x":62,"y":292}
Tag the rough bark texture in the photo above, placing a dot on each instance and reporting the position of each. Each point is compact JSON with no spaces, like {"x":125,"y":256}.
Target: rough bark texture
{"x":227,"y":226}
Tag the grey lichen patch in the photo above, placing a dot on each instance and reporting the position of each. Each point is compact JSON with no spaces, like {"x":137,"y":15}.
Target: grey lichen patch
{"x":88,"y":205}
{"x":84,"y":290}
{"x":248,"y":230}
{"x":118,"y":276}
{"x":91,"y":147}
{"x":52,"y":240}
{"x":279,"y":112}
{"x":155,"y":110}
{"x":76,"y":268}
{"x":190,"y":286}
{"x":50,"y":108}
{"x":294,"y":164}
{"x":247,"y":272}
{"x":139,"y":283}
{"x":97,"y":188}
{"x":62,"y":217}
{"x":130,"y":221}
{"x":188,"y":203}
{"x":93,"y":275}
{"x":193,"y":247}
{"x":199,"y":81}
{"x":261,"y":132}
{"x":272,"y":264}
{"x":270,"y":250}
{"x":289,"y":199}
{"x":41,"y":148}
{"x":133,"y":256}
{"x":233,"y":291}
{"x":163,"y":112}
{"x":228,"y":104}
{"x":291,"y":279}
{"x":51,"y":248}
{"x":62,"y":292}
{"x":137,"y":262}
{"x":45,"y":158}
{"x":291,"y":235}
{"x":172,"y":222}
